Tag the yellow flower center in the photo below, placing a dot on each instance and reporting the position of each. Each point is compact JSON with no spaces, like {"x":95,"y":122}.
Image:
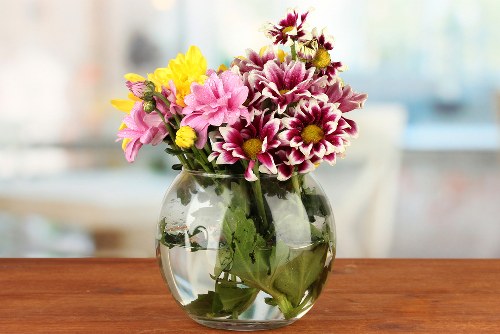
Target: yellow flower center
{"x":321,"y":59}
{"x":185,"y":137}
{"x":252,"y":147}
{"x":284,"y":91}
{"x":312,"y":134}
{"x":287,"y":29}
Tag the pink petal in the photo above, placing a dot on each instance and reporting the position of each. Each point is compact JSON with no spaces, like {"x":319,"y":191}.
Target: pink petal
{"x":267,"y":160}
{"x":295,"y":74}
{"x":306,"y":167}
{"x":127,"y":133}
{"x":238,"y":96}
{"x":213,"y":156}
{"x":200,"y":95}
{"x":249,"y":174}
{"x":347,"y":106}
{"x":271,"y":129}
{"x":284,"y":172}
{"x":353,"y":129}
{"x":273,"y":73}
{"x":202,"y":137}
{"x":330,"y":158}
{"x":132,"y":149}
{"x":306,"y":149}
{"x":231,"y":135}
{"x":239,"y":153}
{"x":225,"y":158}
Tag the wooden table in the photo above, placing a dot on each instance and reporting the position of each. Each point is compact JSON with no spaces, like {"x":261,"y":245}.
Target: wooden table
{"x":362,"y":296}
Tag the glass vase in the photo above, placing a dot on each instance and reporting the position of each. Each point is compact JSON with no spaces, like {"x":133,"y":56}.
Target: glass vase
{"x":245,"y":255}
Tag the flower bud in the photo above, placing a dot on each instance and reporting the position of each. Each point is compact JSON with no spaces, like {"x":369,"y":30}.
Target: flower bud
{"x":149,"y":90}
{"x":149,"y":106}
{"x":185,"y":137}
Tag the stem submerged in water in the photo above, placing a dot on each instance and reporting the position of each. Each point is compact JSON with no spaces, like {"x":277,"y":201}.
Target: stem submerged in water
{"x":259,"y":198}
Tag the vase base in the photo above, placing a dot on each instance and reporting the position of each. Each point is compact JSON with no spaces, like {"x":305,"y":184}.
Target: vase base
{"x":242,"y":325}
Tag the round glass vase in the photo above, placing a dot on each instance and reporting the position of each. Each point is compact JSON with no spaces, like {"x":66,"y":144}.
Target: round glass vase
{"x":245,"y":255}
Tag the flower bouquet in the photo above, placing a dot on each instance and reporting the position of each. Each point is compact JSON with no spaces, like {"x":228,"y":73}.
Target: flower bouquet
{"x":246,"y":237}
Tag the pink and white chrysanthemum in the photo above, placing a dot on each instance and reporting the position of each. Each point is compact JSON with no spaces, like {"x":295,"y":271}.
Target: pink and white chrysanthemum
{"x":249,"y":70}
{"x":347,"y":100}
{"x":287,"y":83}
{"x":314,"y":132}
{"x":289,"y":160}
{"x":325,"y":40}
{"x":250,"y":143}
{"x":308,"y":50}
{"x":289,"y":29}
{"x":218,"y":101}
{"x":141,"y":129}
{"x":256,"y":60}
{"x":316,"y":53}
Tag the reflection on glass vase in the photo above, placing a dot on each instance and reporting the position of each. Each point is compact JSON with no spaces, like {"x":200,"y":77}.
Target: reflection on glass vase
{"x":245,"y":255}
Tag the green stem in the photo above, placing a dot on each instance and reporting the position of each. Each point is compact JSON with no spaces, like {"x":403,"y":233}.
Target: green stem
{"x":201,"y":157}
{"x":296,"y":184}
{"x":161,"y":97}
{"x":184,"y":161}
{"x":257,"y":189}
{"x":293,"y":51}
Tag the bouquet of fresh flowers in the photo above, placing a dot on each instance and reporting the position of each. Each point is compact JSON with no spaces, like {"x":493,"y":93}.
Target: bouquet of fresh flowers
{"x":274,"y":112}
{"x":270,"y":112}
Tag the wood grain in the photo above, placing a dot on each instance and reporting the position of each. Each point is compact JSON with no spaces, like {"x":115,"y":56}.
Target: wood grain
{"x":362,"y":296}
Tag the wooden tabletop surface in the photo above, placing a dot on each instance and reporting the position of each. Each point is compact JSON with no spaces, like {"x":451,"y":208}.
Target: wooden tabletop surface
{"x":362,"y":296}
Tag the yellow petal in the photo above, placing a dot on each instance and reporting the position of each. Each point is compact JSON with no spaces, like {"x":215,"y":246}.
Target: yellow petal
{"x":153,"y":79}
{"x":134,"y":77}
{"x":133,"y":98}
{"x":222,"y":68}
{"x":281,"y":55}
{"x":122,"y":126}
{"x":123,"y":105}
{"x":124,"y":143}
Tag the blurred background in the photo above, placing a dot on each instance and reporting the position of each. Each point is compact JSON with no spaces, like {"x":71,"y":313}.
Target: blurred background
{"x":422,"y":180}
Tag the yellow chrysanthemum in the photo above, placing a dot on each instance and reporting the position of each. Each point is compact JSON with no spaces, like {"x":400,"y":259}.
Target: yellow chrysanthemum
{"x":183,"y":71}
{"x":185,"y":137}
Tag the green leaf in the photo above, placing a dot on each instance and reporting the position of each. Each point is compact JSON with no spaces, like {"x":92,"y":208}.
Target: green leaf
{"x":315,"y":205}
{"x":223,"y":261}
{"x":301,"y":272}
{"x":234,"y":298}
{"x":206,"y":305}
{"x":250,"y":254}
{"x":185,"y":189}
{"x":270,"y":301}
{"x":177,"y":167}
{"x":280,"y":255}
